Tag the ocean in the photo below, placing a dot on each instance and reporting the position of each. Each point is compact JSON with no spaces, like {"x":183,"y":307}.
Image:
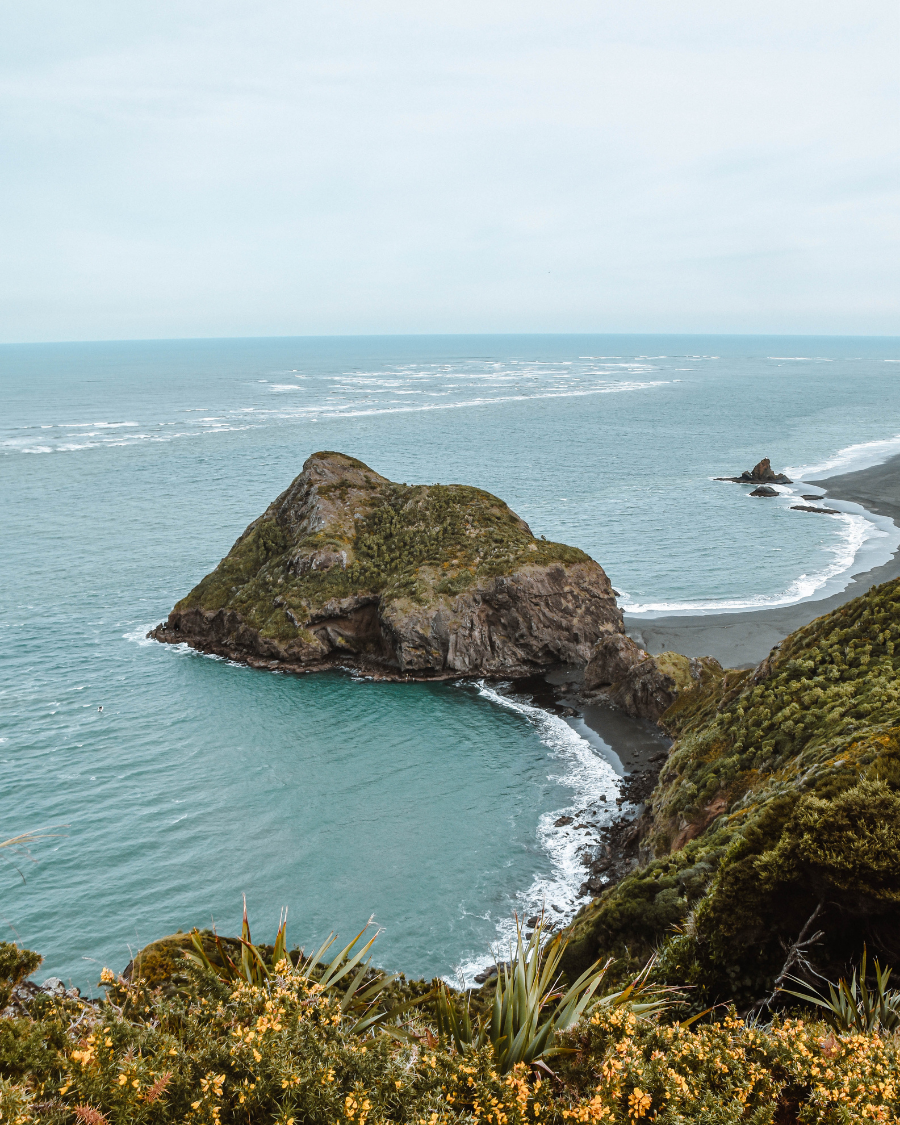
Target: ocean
{"x":129,"y":469}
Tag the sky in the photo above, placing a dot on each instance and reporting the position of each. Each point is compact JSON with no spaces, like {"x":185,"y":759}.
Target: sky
{"x":287,"y":167}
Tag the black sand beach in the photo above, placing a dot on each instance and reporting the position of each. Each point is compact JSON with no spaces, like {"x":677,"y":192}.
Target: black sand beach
{"x":637,"y":748}
{"x":744,"y":638}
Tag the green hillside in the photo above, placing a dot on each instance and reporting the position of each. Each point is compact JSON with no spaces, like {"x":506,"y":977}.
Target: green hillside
{"x":780,"y":798}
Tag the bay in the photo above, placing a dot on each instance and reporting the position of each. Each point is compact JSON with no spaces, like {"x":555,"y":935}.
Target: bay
{"x":129,"y":468}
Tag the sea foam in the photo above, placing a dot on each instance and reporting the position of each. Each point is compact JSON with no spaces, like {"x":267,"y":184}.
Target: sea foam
{"x":851,"y":458}
{"x":855,"y":532}
{"x":594,"y":786}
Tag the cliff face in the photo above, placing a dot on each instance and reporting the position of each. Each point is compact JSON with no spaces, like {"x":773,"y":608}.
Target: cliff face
{"x":347,"y":567}
{"x":626,"y":677}
{"x":776,"y":818}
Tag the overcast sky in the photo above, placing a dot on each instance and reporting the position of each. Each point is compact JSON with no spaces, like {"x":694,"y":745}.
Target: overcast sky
{"x":287,"y":167}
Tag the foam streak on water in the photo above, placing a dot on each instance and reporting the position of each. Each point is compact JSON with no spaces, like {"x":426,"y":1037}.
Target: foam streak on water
{"x":593,"y":787}
{"x":855,"y":531}
{"x":850,"y":459}
{"x":351,"y":394}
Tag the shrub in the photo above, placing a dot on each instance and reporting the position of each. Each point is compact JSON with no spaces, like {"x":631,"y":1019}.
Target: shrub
{"x":782,"y":792}
{"x":283,"y":1052}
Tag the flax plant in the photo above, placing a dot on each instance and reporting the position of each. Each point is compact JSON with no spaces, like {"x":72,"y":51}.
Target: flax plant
{"x":530,"y":1007}
{"x":359,"y":995}
{"x":853,"y":1006}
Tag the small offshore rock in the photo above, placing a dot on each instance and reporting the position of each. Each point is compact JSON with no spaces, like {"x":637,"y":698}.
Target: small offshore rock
{"x":762,"y":471}
{"x":563,"y":821}
{"x":764,"y":490}
{"x":533,"y":921}
{"x":818,"y":511}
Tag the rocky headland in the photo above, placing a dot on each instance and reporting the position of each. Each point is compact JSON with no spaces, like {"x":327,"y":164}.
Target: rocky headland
{"x":348,"y":568}
{"x":775,"y":807}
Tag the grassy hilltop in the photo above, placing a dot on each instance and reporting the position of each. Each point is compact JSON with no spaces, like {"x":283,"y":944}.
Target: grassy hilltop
{"x":419,"y":543}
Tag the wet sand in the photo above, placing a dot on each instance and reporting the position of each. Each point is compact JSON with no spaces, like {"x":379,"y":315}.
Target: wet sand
{"x":740,"y":640}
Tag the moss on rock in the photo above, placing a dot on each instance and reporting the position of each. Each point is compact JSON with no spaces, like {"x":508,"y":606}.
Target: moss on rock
{"x":348,"y":564}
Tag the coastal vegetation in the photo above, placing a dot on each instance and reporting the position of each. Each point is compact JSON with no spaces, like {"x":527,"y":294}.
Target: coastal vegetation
{"x":773,"y":836}
{"x":402,"y":541}
{"x":255,"y":1039}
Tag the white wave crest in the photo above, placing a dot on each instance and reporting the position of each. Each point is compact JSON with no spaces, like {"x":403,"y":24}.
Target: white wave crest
{"x":595,"y":786}
{"x":353,"y":410}
{"x":850,"y":458}
{"x":857,"y":530}
{"x":139,"y":636}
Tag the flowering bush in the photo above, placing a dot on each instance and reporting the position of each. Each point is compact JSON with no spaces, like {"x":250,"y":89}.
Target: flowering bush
{"x":282,"y":1052}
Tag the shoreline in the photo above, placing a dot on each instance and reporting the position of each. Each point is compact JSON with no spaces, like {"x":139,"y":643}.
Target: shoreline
{"x":743,"y":638}
{"x":636,"y":749}
{"x":737,"y":639}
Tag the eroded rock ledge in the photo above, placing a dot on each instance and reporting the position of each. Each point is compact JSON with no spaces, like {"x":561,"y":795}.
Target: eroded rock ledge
{"x":623,"y":675}
{"x":349,"y":568}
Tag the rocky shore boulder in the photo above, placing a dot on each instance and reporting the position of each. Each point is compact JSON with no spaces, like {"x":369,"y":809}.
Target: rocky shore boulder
{"x":624,"y":675}
{"x":761,"y":473}
{"x":349,"y":568}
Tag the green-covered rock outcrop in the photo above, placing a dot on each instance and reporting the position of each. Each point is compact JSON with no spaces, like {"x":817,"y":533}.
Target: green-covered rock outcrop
{"x":776,"y":817}
{"x":621,"y":674}
{"x":348,"y":567}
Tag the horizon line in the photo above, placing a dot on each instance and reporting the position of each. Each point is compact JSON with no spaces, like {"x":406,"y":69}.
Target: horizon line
{"x":445,"y":335}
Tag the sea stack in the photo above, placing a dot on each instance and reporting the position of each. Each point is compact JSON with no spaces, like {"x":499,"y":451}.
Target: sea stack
{"x":413,"y":581}
{"x":761,"y":473}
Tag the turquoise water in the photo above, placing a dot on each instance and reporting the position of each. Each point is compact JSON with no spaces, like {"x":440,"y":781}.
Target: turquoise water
{"x":128,"y":469}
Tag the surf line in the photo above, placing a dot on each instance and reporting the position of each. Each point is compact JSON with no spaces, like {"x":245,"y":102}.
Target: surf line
{"x":595,"y":787}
